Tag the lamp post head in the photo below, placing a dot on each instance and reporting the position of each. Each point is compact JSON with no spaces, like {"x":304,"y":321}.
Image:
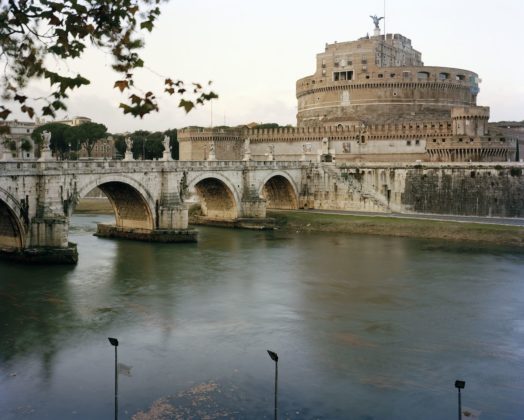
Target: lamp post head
{"x":460,"y":384}
{"x":273,"y":355}
{"x":113,"y":341}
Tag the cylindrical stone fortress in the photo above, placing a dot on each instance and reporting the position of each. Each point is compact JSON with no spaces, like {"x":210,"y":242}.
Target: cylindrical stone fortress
{"x":380,"y":79}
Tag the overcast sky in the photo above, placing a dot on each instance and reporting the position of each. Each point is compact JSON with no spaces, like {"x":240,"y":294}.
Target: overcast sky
{"x":255,"y":51}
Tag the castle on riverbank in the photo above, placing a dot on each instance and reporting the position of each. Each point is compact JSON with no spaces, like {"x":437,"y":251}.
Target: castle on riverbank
{"x":369,"y":100}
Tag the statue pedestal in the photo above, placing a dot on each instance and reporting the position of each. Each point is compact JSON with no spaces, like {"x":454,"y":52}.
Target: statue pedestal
{"x":303,"y":157}
{"x":45,"y":155}
{"x":167,"y":156}
{"x":247,"y":156}
{"x":270,"y":157}
{"x":212,"y":156}
{"x":128,"y":156}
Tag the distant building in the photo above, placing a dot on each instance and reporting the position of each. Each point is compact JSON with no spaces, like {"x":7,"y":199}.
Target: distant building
{"x":73,"y":121}
{"x":17,"y":143}
{"x":370,"y":100}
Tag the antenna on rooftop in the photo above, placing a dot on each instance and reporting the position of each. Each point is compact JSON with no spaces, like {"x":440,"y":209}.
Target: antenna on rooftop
{"x":385,"y":33}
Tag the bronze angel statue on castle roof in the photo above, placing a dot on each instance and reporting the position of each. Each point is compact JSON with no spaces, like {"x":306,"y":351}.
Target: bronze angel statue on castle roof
{"x":376,"y":20}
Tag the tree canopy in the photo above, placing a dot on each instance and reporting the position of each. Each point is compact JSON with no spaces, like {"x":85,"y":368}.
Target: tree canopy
{"x":86,"y":135}
{"x":147,"y":145}
{"x":32,"y":32}
{"x":59,"y":137}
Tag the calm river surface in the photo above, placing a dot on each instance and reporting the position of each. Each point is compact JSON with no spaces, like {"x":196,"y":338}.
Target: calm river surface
{"x":365,"y":327}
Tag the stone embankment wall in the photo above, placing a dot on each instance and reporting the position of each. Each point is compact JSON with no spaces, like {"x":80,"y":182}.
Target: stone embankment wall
{"x":459,"y":189}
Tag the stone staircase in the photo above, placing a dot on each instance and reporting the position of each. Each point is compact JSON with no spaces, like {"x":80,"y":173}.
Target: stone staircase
{"x":338,"y":190}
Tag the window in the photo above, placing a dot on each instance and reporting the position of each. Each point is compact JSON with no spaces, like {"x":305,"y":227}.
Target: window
{"x":364,"y":61}
{"x":380,"y":75}
{"x":422,"y":75}
{"x":417,"y":142}
{"x":443,"y":76}
{"x":342,"y":75}
{"x":392,"y":75}
{"x":460,"y":77}
{"x":406,"y":74}
{"x":408,"y":143}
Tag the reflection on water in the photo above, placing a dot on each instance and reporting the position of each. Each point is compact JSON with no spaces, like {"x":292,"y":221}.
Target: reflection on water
{"x":365,"y":327}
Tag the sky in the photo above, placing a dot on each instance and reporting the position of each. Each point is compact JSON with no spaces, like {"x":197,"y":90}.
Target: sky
{"x":255,"y":51}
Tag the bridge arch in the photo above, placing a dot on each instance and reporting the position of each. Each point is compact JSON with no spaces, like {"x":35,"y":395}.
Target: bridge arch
{"x":132,"y":203}
{"x":217,"y":195}
{"x":280,"y":191}
{"x":12,"y":227}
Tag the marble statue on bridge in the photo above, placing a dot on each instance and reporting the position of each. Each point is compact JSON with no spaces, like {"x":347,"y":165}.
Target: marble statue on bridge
{"x":129,"y":149}
{"x":167,"y":148}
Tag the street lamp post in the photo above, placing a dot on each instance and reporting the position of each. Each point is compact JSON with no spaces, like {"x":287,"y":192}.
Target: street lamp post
{"x":459,"y":385}
{"x":114,"y":342}
{"x":274,"y":357}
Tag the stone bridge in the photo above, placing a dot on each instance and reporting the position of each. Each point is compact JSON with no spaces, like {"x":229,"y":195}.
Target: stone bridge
{"x":150,"y":198}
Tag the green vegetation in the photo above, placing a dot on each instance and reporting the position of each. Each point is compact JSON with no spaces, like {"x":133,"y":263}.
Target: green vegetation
{"x":66,"y":139}
{"x":391,"y":226}
{"x":148,"y":145}
{"x":26,"y":145}
{"x":270,"y":125}
{"x":37,"y":34}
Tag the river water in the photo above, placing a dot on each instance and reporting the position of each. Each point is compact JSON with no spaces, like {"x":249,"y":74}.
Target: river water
{"x":365,"y":328}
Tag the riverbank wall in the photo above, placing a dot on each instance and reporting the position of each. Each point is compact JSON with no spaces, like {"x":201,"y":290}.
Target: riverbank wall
{"x":470,"y":189}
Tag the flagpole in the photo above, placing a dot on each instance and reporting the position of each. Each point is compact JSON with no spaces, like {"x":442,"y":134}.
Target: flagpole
{"x":385,"y":33}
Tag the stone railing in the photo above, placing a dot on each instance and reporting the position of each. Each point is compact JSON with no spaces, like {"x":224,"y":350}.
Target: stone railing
{"x":104,"y":166}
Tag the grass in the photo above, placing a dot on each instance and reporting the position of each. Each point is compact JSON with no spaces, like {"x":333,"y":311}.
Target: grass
{"x":390,"y":226}
{"x":94,"y":206}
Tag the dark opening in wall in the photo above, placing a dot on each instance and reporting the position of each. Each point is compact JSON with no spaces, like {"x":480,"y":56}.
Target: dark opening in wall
{"x":342,"y":75}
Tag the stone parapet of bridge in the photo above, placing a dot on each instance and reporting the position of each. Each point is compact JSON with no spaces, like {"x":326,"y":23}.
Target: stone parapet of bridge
{"x":151,"y":199}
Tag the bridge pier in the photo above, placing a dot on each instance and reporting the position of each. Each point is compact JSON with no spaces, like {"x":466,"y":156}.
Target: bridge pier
{"x":171,"y":226}
{"x":47,"y":243}
{"x":253,"y":212}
